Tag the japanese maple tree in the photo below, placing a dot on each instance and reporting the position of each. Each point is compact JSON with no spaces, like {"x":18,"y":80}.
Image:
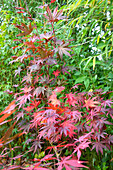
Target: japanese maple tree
{"x":59,"y":120}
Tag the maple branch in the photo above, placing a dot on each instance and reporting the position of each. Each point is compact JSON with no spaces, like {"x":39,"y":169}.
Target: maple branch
{"x":54,"y":35}
{"x":55,"y":150}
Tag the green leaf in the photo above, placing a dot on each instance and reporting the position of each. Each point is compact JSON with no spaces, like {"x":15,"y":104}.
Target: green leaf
{"x":88,"y":61}
{"x":86,"y":83}
{"x":110,"y":75}
{"x":101,"y":45}
{"x":84,"y":32}
{"x":112,"y":39}
{"x":77,"y":73}
{"x":98,"y":38}
{"x":94,"y":62}
{"x":80,"y":79}
{"x":106,"y":51}
{"x":89,"y":14}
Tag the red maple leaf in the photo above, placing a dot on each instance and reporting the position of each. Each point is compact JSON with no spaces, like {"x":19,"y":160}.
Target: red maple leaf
{"x":46,"y":158}
{"x":82,"y":145}
{"x":28,"y":108}
{"x":24,"y":56}
{"x":99,"y":146}
{"x":18,"y":71}
{"x":67,"y":128}
{"x":55,"y":16}
{"x":26,"y":89}
{"x":37,"y":78}
{"x":63,"y":49}
{"x":47,"y":36}
{"x":38,"y":91}
{"x":52,"y":1}
{"x":56,"y":73}
{"x":59,"y":89}
{"x":67,"y":162}
{"x":33,"y":104}
{"x":23,"y":99}
{"x":90,"y":103}
{"x":71,"y":99}
{"x":30,"y":45}
{"x":27,"y":78}
{"x":54,"y":100}
{"x":26,"y":30}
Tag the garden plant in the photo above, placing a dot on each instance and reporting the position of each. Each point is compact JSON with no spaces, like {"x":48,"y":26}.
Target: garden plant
{"x":54,"y":123}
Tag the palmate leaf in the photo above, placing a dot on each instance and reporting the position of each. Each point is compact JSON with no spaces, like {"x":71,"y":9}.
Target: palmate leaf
{"x":82,"y":145}
{"x":85,"y":137}
{"x":71,"y":99}
{"x":101,"y":122}
{"x":107,"y":103}
{"x":99,"y":135}
{"x":56,"y":73}
{"x":59,"y":89}
{"x":19,"y":115}
{"x":26,"y":89}
{"x":18,"y":71}
{"x":43,"y":53}
{"x":21,"y":58}
{"x":47,"y":157}
{"x":33,"y":104}
{"x":39,"y":90}
{"x":65,"y":68}
{"x":44,"y":80}
{"x":46,"y":132}
{"x":62,"y":49}
{"x":34,"y":67}
{"x":26,"y":30}
{"x":27,"y":78}
{"x":99,"y":146}
{"x":47,"y":36}
{"x":30,"y":45}
{"x":55,"y":16}
{"x":67,"y":162}
{"x":54,"y":100}
{"x":23,"y":99}
{"x":90,"y":103}
{"x":76,"y":115}
{"x":36,"y":145}
{"x":67,"y":128}
{"x":28,"y":108}
{"x":42,"y":166}
{"x":36,"y":78}
{"x":58,"y":146}
{"x":110,"y":139}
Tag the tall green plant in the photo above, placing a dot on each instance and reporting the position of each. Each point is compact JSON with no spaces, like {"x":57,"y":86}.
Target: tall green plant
{"x":90,"y":24}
